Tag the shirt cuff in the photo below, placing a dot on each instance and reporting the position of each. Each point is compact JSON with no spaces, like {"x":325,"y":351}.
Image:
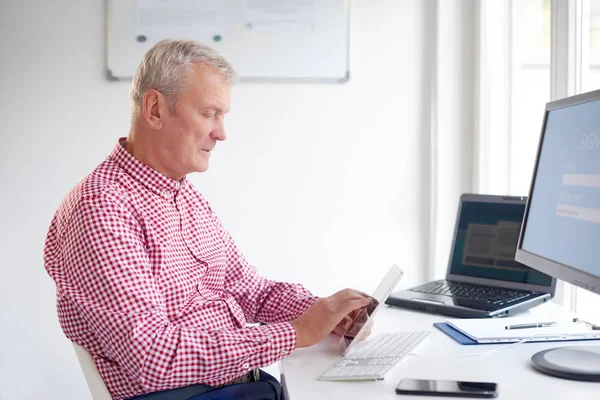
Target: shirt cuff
{"x":282,"y":339}
{"x":304,"y":305}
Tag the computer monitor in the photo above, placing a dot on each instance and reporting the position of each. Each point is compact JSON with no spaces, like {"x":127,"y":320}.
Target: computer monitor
{"x":560,"y":233}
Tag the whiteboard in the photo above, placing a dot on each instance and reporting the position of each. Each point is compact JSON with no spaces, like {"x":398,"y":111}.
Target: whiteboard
{"x":264,"y":40}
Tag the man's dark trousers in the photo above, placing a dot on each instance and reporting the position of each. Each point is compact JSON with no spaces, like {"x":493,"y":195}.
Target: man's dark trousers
{"x":267,"y":388}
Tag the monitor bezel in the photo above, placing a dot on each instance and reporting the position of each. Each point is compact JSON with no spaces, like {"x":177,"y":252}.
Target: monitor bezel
{"x":550,"y":267}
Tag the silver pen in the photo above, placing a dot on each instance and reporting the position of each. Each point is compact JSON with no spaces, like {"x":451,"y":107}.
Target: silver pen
{"x":532,"y":325}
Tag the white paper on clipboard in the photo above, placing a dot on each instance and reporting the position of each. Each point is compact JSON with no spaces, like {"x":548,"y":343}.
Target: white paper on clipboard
{"x":494,"y":330}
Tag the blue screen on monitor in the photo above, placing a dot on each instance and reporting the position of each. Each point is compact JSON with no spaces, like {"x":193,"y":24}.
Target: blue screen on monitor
{"x":486,"y":242}
{"x":563,"y":224}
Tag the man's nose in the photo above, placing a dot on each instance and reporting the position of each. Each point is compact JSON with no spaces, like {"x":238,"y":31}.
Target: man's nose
{"x":219,"y":133}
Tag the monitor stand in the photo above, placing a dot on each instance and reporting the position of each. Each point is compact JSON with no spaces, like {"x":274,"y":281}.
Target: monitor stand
{"x":580,"y":363}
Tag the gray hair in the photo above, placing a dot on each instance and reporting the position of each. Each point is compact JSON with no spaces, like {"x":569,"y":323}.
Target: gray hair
{"x":166,"y":67}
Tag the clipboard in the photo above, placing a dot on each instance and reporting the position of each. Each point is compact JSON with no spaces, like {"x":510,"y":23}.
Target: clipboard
{"x":467,"y":341}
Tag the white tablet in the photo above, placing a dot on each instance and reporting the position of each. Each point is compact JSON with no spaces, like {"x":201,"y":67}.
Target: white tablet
{"x":350,"y":340}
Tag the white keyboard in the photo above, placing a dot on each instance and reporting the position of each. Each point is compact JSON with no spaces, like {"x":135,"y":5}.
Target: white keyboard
{"x":375,"y":357}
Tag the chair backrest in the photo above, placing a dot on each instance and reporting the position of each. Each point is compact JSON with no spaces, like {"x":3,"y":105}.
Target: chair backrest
{"x":92,"y":376}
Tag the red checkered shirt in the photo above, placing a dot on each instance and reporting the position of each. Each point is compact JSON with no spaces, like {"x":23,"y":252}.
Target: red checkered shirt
{"x":152,"y":285}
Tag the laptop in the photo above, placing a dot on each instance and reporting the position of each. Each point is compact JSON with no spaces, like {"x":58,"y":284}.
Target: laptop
{"x":483,"y":279}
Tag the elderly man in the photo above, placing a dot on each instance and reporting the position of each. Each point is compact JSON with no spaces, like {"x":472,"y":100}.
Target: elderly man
{"x":148,"y":280}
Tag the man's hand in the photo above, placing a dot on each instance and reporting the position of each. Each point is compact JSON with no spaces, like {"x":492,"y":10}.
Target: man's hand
{"x":323,"y":316}
{"x":352,"y":323}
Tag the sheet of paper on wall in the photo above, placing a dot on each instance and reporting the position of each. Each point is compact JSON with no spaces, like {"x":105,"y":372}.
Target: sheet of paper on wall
{"x":494,"y":330}
{"x":280,"y":15}
{"x":164,"y":19}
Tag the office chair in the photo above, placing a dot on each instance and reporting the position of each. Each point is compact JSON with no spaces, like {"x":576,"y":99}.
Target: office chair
{"x":94,"y":381}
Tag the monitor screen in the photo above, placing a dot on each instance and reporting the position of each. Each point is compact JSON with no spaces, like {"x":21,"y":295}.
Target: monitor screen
{"x":486,"y":241}
{"x":561,"y":229}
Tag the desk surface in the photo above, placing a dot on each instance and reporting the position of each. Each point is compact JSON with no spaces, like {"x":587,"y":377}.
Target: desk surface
{"x":441,"y":359}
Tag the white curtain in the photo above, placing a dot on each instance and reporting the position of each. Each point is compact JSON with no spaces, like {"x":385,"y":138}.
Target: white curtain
{"x":452,"y":130}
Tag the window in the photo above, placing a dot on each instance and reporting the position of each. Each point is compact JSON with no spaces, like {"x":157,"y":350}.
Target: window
{"x":519,"y":54}
{"x":590,"y":79}
{"x":587,"y":303}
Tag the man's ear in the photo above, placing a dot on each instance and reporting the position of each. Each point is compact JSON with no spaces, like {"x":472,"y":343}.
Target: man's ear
{"x":153,"y":108}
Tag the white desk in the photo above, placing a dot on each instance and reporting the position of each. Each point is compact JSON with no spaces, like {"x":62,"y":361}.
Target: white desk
{"x":510,"y":367}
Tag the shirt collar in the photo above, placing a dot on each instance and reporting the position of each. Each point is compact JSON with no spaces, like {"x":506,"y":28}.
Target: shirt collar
{"x":148,"y":177}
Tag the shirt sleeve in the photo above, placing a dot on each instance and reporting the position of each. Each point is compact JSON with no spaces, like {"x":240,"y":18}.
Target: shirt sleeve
{"x":261,"y":299}
{"x":108,"y":276}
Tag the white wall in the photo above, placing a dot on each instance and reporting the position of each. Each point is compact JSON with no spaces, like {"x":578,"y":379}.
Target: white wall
{"x":319,"y":184}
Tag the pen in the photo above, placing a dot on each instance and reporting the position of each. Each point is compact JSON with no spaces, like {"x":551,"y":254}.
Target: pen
{"x":532,"y":325}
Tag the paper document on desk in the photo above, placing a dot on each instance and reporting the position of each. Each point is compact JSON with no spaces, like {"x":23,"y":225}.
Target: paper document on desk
{"x":494,"y":330}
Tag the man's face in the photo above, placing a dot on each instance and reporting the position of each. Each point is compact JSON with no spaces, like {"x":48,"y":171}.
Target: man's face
{"x":192,"y":131}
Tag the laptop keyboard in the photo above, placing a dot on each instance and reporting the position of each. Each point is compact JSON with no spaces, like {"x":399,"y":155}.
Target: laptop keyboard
{"x":376,"y":357}
{"x":487,"y":294}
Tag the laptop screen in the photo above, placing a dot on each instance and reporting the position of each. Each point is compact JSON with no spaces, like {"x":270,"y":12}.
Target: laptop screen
{"x":486,"y":242}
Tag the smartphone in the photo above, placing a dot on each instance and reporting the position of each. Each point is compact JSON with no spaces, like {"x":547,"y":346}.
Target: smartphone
{"x":447,"y":388}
